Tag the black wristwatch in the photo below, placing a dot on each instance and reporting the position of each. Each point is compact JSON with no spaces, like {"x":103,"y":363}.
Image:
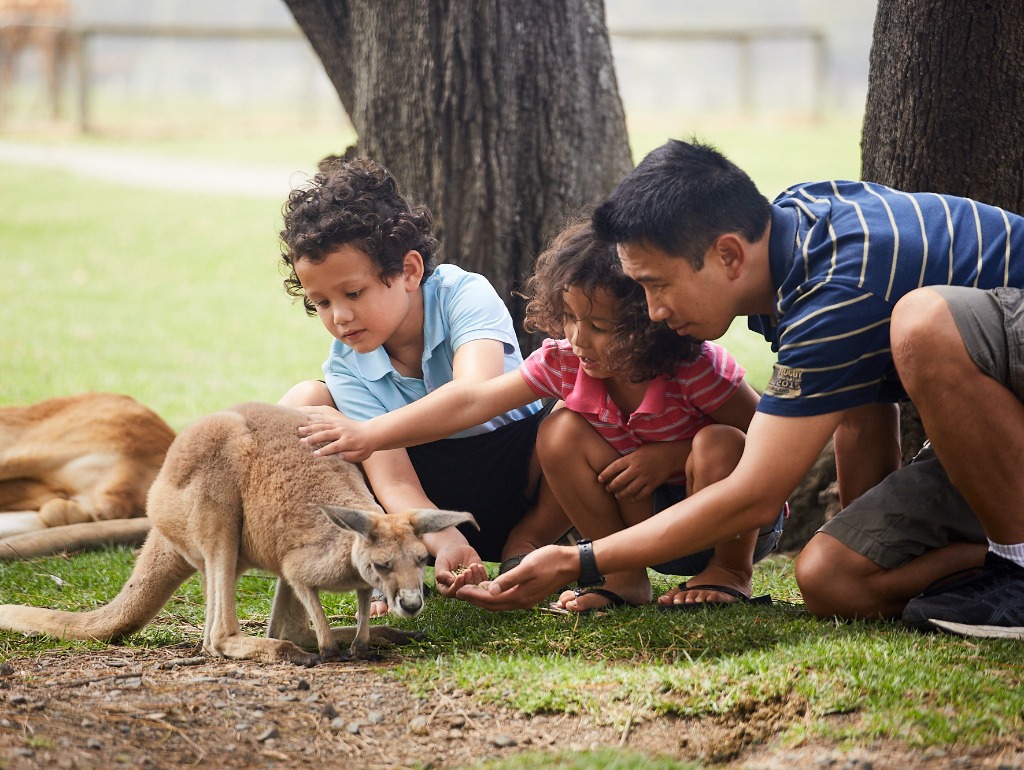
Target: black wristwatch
{"x":590,"y":576}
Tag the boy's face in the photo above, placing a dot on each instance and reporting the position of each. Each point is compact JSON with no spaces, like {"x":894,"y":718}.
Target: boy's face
{"x":351,"y":300}
{"x":589,"y":328}
{"x":693,"y":302}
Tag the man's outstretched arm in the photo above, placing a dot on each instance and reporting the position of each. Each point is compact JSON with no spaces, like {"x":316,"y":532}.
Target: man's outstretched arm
{"x":778,"y":453}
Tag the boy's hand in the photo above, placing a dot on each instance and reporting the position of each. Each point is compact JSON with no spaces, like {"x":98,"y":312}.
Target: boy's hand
{"x":638,"y":474}
{"x":455,"y":566}
{"x":337,"y":433}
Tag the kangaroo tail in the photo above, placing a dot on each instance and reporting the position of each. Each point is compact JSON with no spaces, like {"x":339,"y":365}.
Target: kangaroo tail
{"x":158,"y":572}
{"x":74,"y":537}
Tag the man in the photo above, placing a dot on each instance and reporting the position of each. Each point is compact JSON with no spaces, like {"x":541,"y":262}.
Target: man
{"x":864,"y":292}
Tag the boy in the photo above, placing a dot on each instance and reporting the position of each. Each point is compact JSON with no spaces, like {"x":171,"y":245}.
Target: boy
{"x":860,"y":289}
{"x":363,"y":260}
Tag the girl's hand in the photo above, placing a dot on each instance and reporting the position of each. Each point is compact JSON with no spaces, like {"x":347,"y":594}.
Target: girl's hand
{"x":337,"y":433}
{"x":638,"y":474}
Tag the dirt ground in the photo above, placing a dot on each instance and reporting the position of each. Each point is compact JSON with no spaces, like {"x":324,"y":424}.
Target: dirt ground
{"x":174,"y":707}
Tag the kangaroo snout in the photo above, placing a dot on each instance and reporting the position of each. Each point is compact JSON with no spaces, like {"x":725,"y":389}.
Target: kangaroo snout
{"x":409,"y":602}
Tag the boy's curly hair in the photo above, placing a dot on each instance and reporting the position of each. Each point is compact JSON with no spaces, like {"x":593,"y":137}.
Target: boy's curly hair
{"x":355,"y":202}
{"x":578,"y":258}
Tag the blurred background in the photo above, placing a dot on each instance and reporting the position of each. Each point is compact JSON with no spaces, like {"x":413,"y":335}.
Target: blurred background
{"x":185,"y":66}
{"x":140,"y":200}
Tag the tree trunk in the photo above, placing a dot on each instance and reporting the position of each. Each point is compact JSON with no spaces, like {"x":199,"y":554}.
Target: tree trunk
{"x":944,"y":108}
{"x":503,"y":116}
{"x":944,"y":114}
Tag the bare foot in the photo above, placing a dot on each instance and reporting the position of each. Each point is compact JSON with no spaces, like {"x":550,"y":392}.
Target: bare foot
{"x":713,"y":574}
{"x":633,"y":587}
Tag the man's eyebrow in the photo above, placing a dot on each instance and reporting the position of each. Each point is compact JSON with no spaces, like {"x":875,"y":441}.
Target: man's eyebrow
{"x":644,"y":278}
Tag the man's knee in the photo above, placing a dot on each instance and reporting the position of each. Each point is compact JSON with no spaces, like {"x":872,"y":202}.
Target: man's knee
{"x":922,"y":331}
{"x":830,"y":576}
{"x":916,"y":319}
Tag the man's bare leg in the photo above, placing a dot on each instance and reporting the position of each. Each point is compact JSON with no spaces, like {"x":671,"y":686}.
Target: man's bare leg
{"x":837,"y":581}
{"x":975,"y":423}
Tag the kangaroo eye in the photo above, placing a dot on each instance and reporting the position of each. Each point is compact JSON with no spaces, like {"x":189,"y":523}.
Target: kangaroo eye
{"x":382,"y":566}
{"x":423,"y":560}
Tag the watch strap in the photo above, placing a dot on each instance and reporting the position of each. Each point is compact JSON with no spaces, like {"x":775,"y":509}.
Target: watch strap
{"x":590,"y":576}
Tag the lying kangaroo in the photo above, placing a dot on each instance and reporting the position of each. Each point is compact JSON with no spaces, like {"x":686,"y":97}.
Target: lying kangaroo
{"x":238,"y":490}
{"x":84,"y":458}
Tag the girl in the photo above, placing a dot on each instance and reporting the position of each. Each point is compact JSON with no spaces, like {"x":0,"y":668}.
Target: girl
{"x":648,"y":415}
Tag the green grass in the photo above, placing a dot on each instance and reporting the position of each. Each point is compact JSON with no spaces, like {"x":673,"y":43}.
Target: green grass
{"x":843,"y":683}
{"x":171,"y":298}
{"x":176,"y":299}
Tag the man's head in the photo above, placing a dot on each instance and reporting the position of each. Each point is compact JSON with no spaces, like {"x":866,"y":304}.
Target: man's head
{"x":679,"y":199}
{"x":356,"y":203}
{"x":686,"y":220}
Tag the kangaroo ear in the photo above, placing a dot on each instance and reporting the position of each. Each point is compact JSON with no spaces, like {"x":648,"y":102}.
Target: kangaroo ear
{"x":351,"y":519}
{"x":431,"y":520}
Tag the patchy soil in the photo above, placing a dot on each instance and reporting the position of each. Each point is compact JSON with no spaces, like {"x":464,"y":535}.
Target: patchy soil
{"x":174,"y":707}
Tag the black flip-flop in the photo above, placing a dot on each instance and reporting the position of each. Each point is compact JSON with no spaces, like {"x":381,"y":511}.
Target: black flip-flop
{"x":741,"y":598}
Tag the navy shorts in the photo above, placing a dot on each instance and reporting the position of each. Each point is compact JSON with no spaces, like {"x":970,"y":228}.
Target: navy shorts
{"x":767,"y":538}
{"x":486,"y":475}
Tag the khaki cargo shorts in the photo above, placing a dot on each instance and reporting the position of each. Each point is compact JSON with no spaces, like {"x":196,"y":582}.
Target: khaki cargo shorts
{"x":917,"y":509}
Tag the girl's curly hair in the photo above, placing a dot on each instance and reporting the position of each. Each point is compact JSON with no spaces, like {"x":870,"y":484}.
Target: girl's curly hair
{"x":578,"y":258}
{"x":355,"y":202}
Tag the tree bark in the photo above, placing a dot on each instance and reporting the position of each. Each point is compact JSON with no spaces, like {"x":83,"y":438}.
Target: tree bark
{"x":503,"y":116}
{"x":944,"y":108}
{"x":944,"y":114}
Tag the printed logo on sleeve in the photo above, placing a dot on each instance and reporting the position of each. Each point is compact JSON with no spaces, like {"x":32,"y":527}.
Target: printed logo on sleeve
{"x":785,"y":382}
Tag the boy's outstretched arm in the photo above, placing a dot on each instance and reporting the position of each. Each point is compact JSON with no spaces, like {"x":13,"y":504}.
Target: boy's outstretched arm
{"x":778,"y":453}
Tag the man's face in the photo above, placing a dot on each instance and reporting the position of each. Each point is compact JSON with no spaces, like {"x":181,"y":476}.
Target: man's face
{"x":692,"y":302}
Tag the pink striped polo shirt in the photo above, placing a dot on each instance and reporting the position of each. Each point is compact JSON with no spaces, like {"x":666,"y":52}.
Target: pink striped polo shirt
{"x":673,"y":408}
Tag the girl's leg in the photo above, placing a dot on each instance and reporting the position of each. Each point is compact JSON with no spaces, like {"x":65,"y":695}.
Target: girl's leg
{"x":591,"y":508}
{"x":715,"y":453}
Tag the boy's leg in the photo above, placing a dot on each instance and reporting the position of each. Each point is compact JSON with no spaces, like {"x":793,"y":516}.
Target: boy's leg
{"x":960,"y":355}
{"x":308,"y":393}
{"x":586,"y":501}
{"x":715,"y":452}
{"x":543,"y":523}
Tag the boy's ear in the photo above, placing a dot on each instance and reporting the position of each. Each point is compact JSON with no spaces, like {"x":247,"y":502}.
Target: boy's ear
{"x":412,"y":269}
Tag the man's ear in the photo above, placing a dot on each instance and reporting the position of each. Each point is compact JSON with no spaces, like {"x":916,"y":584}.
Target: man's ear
{"x":731,"y":252}
{"x":412,"y":270}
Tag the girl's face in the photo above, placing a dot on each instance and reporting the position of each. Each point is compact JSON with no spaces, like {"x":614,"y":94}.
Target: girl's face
{"x":351,"y":300}
{"x":589,"y":324}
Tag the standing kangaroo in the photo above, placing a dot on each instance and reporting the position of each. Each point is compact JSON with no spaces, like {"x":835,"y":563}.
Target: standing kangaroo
{"x":237,"y":491}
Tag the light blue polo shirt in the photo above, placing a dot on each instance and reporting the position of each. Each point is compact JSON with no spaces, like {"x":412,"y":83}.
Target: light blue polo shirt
{"x":458,"y":307}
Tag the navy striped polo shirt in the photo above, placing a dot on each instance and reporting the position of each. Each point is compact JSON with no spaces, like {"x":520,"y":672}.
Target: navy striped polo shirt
{"x":842,"y":254}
